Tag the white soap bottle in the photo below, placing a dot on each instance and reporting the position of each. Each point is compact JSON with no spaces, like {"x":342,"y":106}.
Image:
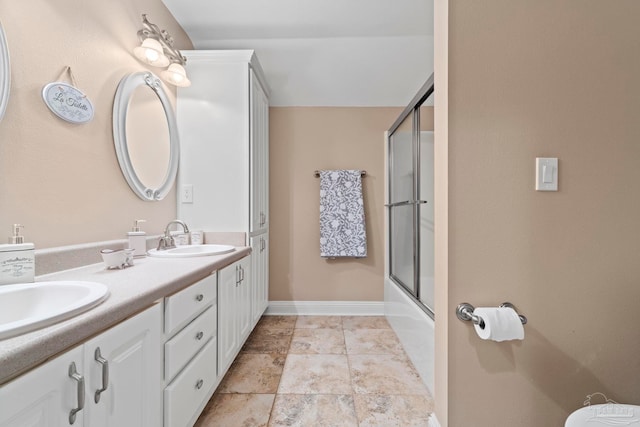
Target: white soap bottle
{"x":17,"y":259}
{"x":138,"y":239}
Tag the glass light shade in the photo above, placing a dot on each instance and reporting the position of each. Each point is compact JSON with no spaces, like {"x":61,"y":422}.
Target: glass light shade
{"x":176,"y":75}
{"x":151,"y":52}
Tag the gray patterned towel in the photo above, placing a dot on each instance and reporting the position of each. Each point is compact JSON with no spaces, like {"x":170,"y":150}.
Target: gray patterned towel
{"x":342,"y":230}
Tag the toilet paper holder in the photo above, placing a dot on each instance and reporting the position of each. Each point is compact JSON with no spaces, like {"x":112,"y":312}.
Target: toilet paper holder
{"x":464,"y":312}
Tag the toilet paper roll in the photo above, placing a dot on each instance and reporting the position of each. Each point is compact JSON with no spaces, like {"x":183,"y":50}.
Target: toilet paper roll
{"x":500,"y":324}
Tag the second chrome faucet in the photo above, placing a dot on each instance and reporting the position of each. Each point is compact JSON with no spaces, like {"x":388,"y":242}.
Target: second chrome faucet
{"x":167,"y":241}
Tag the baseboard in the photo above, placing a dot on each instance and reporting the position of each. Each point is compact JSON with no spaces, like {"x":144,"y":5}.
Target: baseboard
{"x":433,"y":421}
{"x":326,"y":308}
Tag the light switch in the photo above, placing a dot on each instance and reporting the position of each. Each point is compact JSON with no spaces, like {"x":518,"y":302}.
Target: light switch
{"x":546,"y":174}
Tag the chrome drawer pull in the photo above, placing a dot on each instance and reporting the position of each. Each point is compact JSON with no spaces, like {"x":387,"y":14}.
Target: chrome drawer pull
{"x":80,"y":392}
{"x":199,"y":297}
{"x":105,"y":374}
{"x":199,"y":335}
{"x":199,"y":384}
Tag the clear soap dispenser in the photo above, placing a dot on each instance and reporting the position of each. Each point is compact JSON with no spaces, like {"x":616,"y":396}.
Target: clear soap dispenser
{"x":17,"y":259}
{"x":138,"y":239}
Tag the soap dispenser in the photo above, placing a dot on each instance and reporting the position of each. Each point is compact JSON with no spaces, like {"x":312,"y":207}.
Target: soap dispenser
{"x":17,"y":259}
{"x":138,"y":239}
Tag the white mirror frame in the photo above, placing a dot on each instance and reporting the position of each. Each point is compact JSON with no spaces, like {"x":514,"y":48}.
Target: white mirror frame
{"x":125,"y":90}
{"x":5,"y":73}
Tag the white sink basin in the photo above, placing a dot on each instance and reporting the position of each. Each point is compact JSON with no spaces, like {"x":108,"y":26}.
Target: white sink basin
{"x":29,"y":306}
{"x":192,"y":250}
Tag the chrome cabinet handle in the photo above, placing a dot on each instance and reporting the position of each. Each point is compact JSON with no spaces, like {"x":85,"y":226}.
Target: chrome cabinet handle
{"x":241,"y":273}
{"x":199,"y":297}
{"x":263,"y":218}
{"x":199,"y":384}
{"x":105,"y":374}
{"x":237,"y":275}
{"x":263,"y":244}
{"x":199,"y":335}
{"x":73,"y":373}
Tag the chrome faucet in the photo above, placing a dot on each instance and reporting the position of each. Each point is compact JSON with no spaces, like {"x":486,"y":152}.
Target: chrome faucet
{"x":166,"y":241}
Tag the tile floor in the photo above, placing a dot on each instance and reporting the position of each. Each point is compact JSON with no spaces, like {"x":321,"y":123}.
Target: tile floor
{"x":317,"y":371}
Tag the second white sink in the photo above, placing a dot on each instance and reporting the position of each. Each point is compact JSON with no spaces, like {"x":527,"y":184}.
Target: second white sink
{"x":191,"y":251}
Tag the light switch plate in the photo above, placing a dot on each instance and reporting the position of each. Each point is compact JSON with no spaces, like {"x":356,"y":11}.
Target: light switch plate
{"x":546,"y":174}
{"x":186,"y":194}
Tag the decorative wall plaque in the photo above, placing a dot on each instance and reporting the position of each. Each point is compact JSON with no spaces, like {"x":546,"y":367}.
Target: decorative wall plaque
{"x":67,"y":101}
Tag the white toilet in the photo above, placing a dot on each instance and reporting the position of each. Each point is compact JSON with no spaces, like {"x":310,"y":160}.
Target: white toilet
{"x":607,"y":414}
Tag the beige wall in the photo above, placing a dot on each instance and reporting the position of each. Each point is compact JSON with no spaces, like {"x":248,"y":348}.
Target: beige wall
{"x":303,"y":140}
{"x":62,"y":181}
{"x":548,"y":79}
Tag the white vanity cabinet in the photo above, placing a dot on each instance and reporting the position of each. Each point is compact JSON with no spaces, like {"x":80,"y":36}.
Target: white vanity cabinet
{"x":116,"y":378}
{"x":190,"y":351}
{"x":234,"y":311}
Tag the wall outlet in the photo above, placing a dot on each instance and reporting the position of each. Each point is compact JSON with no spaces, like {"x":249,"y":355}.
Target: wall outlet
{"x":186,"y":193}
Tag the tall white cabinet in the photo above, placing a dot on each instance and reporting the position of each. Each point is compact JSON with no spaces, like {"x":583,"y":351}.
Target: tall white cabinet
{"x":223,"y":122}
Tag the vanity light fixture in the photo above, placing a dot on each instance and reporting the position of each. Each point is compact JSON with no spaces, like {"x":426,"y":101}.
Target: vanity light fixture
{"x":157,"y":49}
{"x":176,"y":75}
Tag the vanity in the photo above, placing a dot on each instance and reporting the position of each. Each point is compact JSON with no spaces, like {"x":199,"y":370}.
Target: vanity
{"x":152,"y":354}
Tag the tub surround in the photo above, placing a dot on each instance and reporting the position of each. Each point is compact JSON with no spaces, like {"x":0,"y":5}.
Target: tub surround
{"x":131,"y":290}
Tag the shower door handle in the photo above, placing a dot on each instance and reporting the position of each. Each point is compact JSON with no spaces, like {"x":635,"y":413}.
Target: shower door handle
{"x":405,"y":203}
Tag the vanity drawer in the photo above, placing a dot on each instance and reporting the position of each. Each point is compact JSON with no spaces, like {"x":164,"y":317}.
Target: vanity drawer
{"x":182,"y":307}
{"x":189,"y":391}
{"x":181,"y":348}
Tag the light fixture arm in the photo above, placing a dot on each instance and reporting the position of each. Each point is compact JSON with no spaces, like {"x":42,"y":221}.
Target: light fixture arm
{"x":150,"y":30}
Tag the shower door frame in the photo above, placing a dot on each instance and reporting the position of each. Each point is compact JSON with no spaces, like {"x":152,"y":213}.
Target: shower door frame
{"x":412,"y":109}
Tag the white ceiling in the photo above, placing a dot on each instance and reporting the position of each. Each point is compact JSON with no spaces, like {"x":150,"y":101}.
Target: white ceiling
{"x":322,"y":53}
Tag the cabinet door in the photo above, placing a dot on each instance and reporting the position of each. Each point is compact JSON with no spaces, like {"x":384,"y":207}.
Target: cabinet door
{"x":259,"y":276}
{"x":259,"y":149}
{"x":128,"y":366}
{"x":264,"y":171}
{"x":44,"y":396}
{"x":227,"y":316}
{"x":244,"y":300}
{"x":263,"y":296}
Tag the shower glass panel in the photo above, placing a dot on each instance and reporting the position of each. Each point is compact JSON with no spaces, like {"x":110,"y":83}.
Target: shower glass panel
{"x":411,"y":199}
{"x":401,"y":208}
{"x":425,"y":214}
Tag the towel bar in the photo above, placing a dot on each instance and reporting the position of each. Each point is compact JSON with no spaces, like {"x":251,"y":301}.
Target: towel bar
{"x":464,"y":312}
{"x":317,"y":173}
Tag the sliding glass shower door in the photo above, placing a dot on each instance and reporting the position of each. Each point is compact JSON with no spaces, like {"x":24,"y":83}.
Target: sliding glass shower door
{"x":410,"y":200}
{"x":401,"y":208}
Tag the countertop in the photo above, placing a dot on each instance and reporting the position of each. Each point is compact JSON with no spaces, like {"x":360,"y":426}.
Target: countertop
{"x":131,"y":290}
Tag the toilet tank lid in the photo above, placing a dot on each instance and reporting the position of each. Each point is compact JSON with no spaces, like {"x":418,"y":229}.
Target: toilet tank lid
{"x":607,"y":414}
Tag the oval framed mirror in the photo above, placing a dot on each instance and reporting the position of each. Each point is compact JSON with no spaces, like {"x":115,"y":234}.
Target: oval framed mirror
{"x":5,"y":73}
{"x":145,"y":135}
